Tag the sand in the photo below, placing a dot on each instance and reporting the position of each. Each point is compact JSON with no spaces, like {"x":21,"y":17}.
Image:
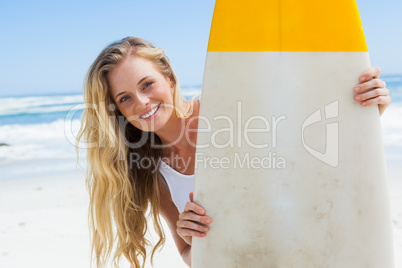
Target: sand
{"x":43,"y":223}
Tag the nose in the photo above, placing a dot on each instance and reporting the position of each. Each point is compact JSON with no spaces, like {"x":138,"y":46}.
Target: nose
{"x":142,"y":100}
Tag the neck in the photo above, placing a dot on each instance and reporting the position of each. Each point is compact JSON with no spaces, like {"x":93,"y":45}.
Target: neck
{"x":178,"y":135}
{"x":173,"y":135}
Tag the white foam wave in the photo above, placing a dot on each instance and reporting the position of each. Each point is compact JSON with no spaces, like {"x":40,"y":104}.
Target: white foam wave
{"x":42,"y":110}
{"x":18,"y":105}
{"x":37,"y":141}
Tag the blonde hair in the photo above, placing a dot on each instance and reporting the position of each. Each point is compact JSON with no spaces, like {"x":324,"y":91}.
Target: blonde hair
{"x":118,"y":192}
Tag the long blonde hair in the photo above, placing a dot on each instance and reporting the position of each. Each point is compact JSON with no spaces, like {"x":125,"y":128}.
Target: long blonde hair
{"x":117,"y":191}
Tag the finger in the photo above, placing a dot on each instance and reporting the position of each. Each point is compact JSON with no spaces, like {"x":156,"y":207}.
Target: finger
{"x":383,"y":100}
{"x":191,"y":196}
{"x":192,"y":225}
{"x":194,"y":217}
{"x":373,"y":72}
{"x":188,"y":232}
{"x":191,"y":206}
{"x":374,"y":83}
{"x":372,"y":94}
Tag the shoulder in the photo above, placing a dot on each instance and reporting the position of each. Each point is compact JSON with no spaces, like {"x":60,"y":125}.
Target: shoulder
{"x":193,"y":104}
{"x":196,"y":103}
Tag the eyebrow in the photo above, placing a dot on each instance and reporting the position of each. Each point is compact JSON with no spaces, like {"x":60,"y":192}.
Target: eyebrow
{"x":139,"y":82}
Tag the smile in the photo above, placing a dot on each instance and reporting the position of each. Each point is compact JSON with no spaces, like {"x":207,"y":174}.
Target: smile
{"x":151,"y":113}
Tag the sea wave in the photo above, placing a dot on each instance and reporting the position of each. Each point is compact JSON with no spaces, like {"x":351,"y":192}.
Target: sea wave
{"x":45,"y":104}
{"x":38,"y":141}
{"x":16,"y":105}
{"x":41,"y":110}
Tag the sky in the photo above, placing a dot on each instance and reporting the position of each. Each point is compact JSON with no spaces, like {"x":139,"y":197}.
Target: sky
{"x":48,"y":46}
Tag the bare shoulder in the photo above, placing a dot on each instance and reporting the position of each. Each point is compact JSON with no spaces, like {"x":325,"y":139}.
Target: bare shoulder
{"x":197,"y":104}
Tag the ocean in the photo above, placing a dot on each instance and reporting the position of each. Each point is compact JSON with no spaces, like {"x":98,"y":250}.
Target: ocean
{"x":38,"y":131}
{"x":37,"y":134}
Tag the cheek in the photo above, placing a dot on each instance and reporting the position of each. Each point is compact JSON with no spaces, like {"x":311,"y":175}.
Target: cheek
{"x":127,"y":113}
{"x":123,"y":111}
{"x":165,"y":95}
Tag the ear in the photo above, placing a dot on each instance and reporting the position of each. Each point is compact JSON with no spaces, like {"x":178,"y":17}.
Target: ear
{"x":171,"y":82}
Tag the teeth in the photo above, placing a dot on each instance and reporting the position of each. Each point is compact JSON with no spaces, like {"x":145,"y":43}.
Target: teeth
{"x":150,"y":113}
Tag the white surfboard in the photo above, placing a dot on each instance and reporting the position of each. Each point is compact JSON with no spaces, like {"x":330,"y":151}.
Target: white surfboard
{"x":289,"y":167}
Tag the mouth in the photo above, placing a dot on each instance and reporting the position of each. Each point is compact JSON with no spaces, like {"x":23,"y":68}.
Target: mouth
{"x":151,"y":113}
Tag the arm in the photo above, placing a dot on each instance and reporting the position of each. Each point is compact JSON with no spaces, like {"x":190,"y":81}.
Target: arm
{"x":186,"y":255}
{"x":170,"y":214}
{"x":372,"y":90}
{"x":184,"y":225}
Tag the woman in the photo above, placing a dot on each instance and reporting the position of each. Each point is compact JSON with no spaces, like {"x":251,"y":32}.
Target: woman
{"x":135,"y":123}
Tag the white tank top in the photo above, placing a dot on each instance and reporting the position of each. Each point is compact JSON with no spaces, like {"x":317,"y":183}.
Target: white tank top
{"x":180,"y":185}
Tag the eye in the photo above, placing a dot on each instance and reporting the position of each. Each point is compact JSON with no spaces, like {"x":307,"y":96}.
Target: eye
{"x":147,"y":84}
{"x":124,"y":98}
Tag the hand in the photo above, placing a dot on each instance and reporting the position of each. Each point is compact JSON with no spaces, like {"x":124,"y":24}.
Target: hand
{"x":192,"y":221}
{"x":372,"y":90}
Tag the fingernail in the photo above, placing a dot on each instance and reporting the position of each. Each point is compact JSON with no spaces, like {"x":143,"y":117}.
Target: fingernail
{"x":204,"y":228}
{"x":362,"y":78}
{"x":364,"y":103}
{"x":358,"y":98}
{"x":207,"y":220}
{"x":357,"y":89}
{"x":201,"y":211}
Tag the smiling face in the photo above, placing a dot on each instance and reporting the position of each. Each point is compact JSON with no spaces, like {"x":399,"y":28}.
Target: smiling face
{"x":142,"y":94}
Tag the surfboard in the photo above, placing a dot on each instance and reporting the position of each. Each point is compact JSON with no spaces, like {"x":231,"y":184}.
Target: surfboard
{"x":289,"y":167}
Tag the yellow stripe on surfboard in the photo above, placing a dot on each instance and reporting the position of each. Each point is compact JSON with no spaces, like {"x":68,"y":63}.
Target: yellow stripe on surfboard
{"x":287,"y":25}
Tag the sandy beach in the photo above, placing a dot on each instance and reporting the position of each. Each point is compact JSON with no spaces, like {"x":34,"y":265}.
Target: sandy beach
{"x":44,"y":223}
